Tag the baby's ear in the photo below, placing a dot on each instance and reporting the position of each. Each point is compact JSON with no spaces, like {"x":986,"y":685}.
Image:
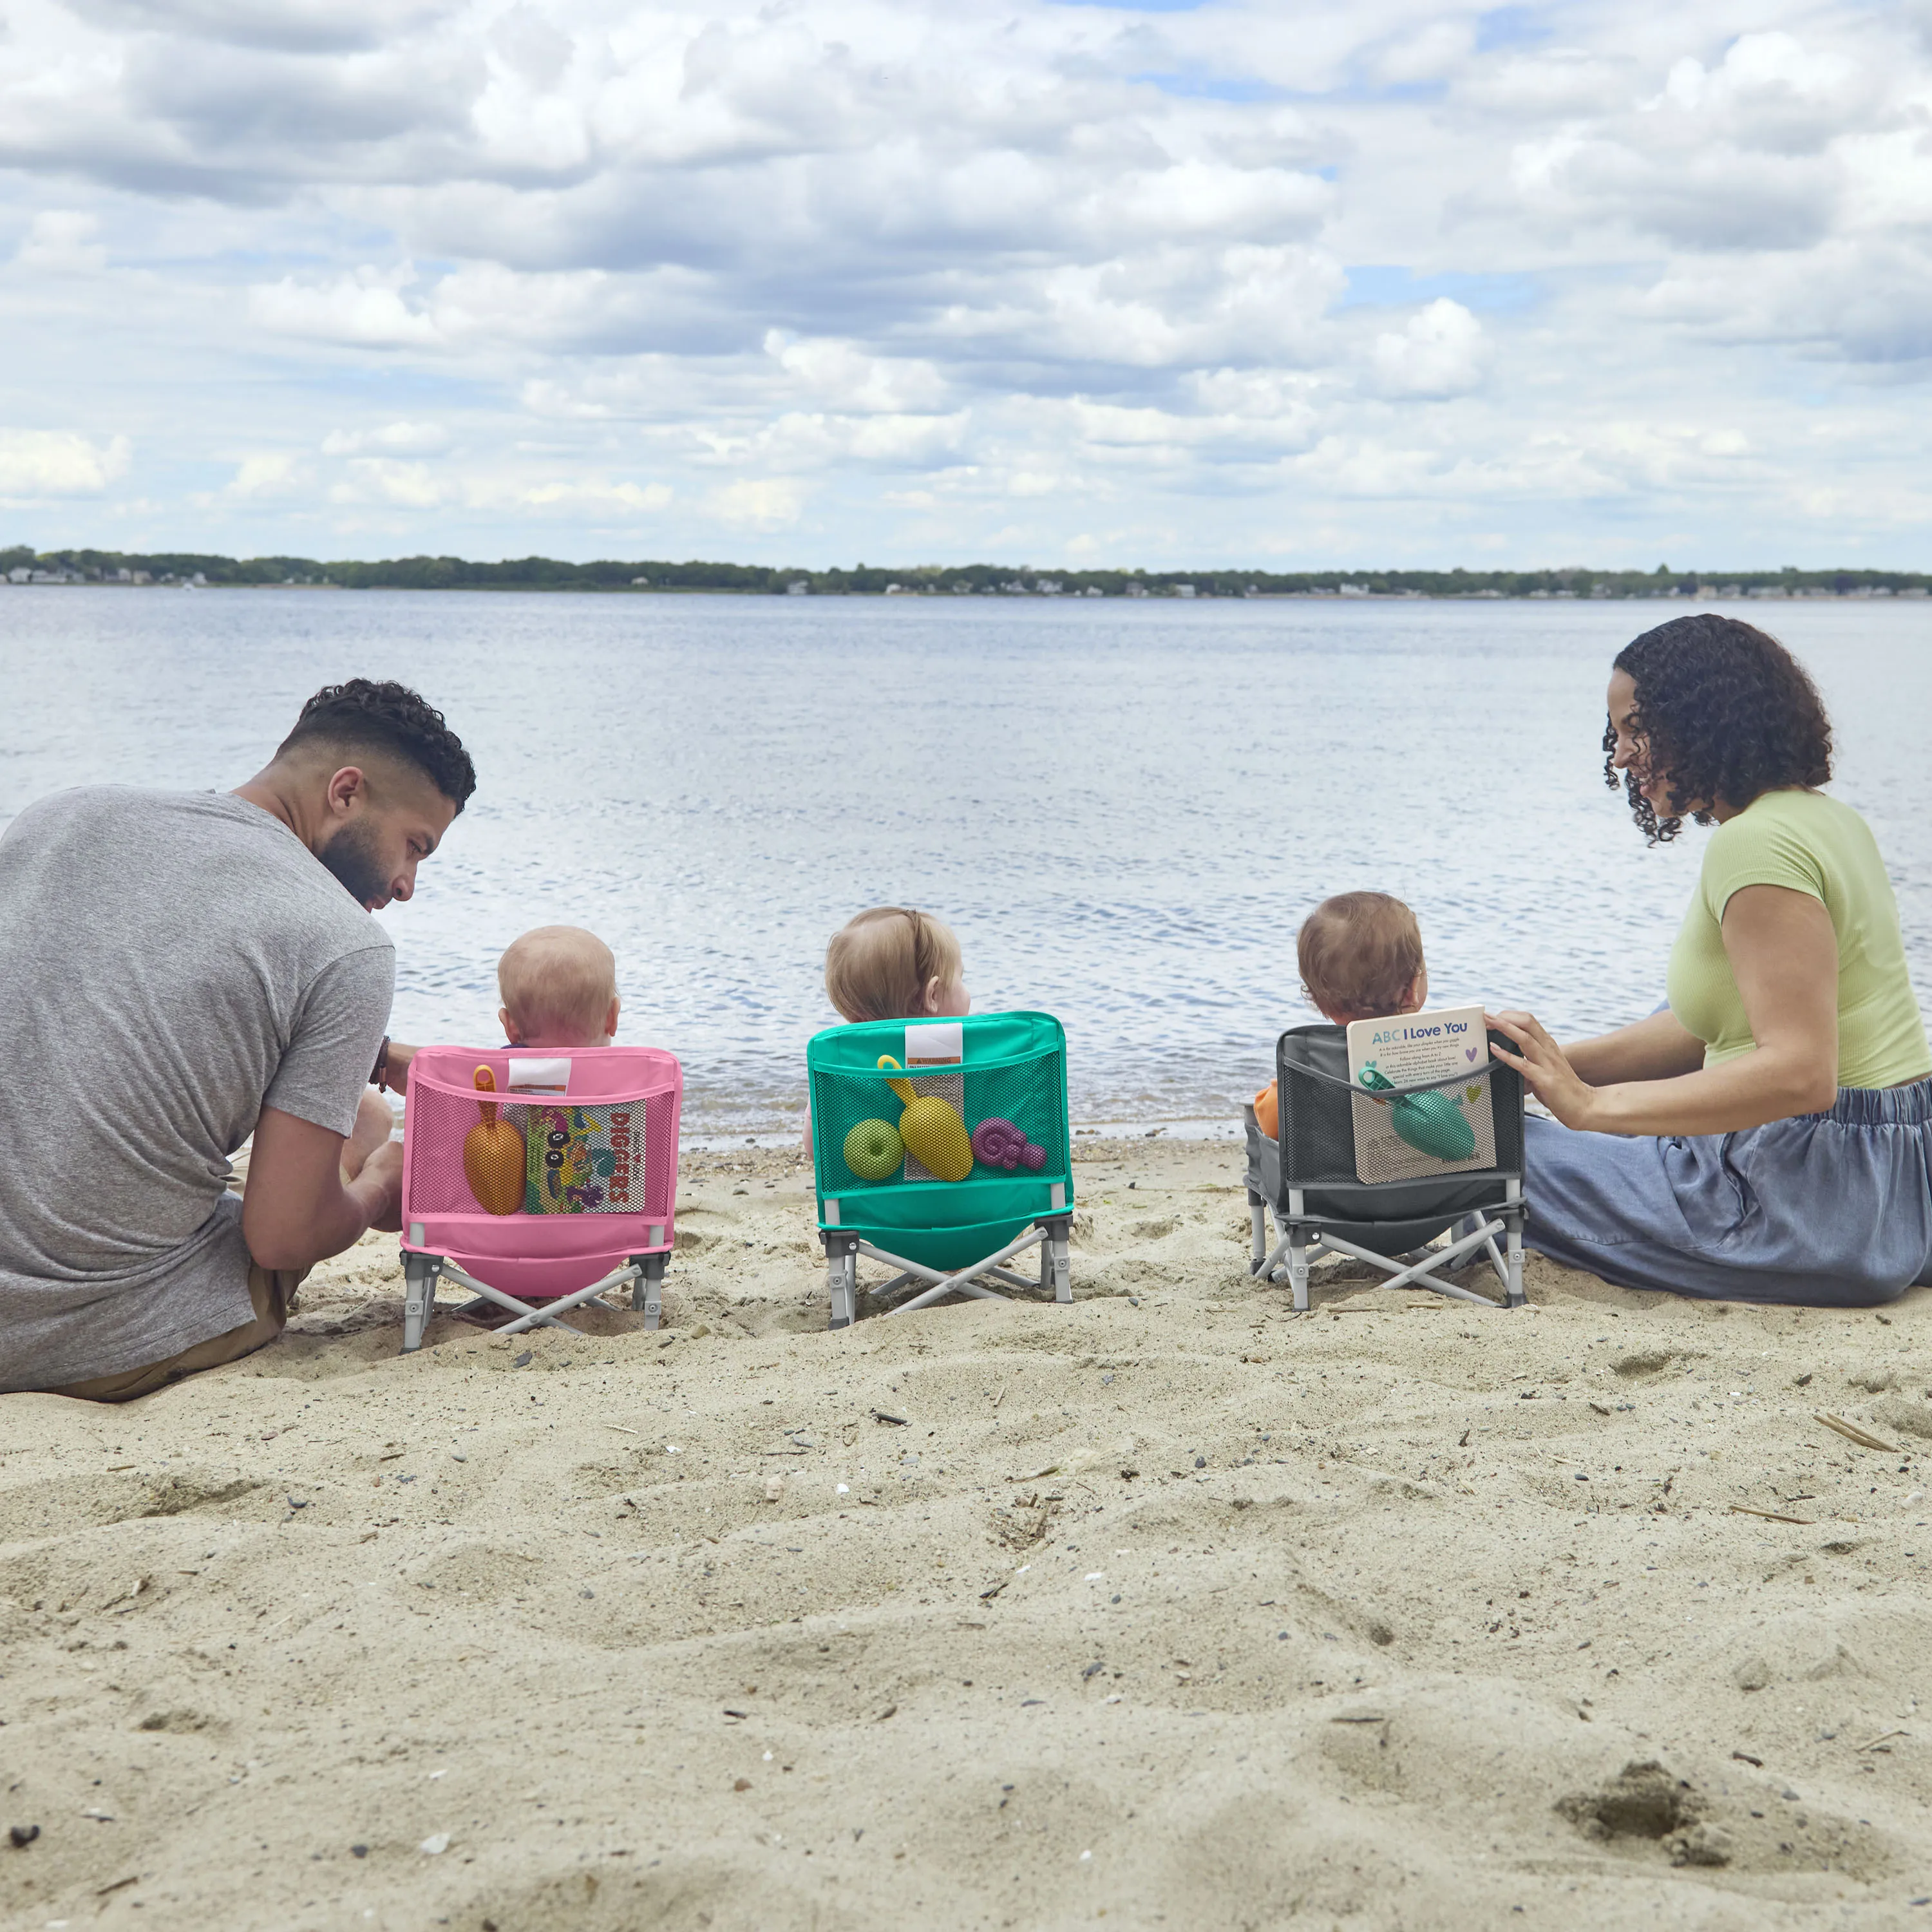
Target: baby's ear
{"x":610,"y":1018}
{"x":511,"y":1031}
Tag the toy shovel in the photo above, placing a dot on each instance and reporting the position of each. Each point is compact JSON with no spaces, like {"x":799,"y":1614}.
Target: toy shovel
{"x":493,"y":1156}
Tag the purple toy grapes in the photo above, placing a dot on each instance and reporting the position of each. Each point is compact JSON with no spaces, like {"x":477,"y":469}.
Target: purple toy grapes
{"x":999,"y":1143}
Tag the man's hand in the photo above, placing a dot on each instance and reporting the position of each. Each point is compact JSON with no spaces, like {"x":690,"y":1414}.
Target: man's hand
{"x":296,"y":1209}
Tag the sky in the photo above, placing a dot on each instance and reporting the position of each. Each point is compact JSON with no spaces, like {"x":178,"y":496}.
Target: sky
{"x":906,"y":281}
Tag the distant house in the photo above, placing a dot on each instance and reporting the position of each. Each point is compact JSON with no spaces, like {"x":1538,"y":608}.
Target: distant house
{"x":638,"y":580}
{"x":1352,"y":590}
{"x":798,"y":587}
{"x":1183,"y":589}
{"x":1092,"y":590}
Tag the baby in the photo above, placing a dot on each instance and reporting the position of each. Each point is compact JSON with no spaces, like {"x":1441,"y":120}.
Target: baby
{"x":1361,"y":957}
{"x":891,"y":963}
{"x":559,"y":987}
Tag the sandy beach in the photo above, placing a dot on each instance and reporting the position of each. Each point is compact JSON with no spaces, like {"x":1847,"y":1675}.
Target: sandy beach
{"x":1170,"y":1608}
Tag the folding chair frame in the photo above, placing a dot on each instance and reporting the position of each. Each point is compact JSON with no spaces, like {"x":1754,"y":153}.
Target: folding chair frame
{"x":842,"y":1258}
{"x":644,"y":1273}
{"x":1304,"y":1237}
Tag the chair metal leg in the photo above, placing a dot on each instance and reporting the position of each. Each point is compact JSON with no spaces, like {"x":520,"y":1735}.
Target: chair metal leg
{"x":1057,"y":1232}
{"x":1258,"y":1222}
{"x":841,"y":1278}
{"x":419,"y":1274}
{"x":1513,"y":1216}
{"x":648,"y":1293}
{"x":1297,"y":1268}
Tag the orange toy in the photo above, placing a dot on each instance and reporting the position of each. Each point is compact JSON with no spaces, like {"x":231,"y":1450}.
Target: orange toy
{"x":493,"y":1156}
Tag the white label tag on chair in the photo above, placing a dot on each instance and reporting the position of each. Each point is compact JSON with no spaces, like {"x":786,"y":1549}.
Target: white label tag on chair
{"x":539,"y":1076}
{"x":934,"y":1043}
{"x":831,"y":1213}
{"x":1060,"y":1194}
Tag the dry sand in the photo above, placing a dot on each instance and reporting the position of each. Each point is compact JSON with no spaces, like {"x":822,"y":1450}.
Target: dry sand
{"x":1169,"y":1608}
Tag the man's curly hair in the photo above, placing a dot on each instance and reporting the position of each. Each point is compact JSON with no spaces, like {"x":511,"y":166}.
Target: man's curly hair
{"x":365,"y":716}
{"x":1727,"y":714}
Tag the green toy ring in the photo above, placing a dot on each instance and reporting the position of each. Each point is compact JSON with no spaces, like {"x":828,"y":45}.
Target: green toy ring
{"x":874,"y":1151}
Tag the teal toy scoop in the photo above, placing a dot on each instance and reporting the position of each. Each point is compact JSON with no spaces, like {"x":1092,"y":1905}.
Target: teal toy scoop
{"x":1432,"y":1123}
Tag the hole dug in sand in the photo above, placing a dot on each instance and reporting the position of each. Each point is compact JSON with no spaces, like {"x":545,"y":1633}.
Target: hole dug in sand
{"x":1644,"y":1801}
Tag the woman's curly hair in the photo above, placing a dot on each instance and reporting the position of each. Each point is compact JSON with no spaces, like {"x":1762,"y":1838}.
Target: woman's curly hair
{"x":1727,"y":714}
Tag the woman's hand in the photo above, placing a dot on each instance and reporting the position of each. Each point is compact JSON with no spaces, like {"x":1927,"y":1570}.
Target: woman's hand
{"x":1545,"y":1068}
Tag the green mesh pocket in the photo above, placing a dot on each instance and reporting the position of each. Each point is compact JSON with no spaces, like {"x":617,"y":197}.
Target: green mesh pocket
{"x":1011,"y":1081}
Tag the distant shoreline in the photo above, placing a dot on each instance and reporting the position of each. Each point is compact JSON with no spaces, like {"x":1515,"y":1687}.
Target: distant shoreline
{"x":79,"y":569}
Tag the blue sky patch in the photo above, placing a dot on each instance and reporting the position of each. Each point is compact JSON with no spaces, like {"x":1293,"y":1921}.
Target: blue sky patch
{"x":1375,"y":284}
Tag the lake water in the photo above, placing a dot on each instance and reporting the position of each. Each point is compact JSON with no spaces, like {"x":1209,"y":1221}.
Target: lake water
{"x":1123,"y":807}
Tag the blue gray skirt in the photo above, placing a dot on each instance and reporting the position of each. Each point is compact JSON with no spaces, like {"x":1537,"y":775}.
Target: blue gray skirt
{"x":1831,"y":1211}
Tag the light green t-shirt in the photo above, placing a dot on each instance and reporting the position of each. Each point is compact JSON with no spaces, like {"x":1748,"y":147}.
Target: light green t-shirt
{"x":1813,"y":844}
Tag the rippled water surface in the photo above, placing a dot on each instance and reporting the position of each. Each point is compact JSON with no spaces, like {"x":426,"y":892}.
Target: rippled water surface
{"x":1124,"y":809}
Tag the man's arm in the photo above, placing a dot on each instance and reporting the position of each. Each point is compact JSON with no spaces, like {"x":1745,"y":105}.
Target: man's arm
{"x":296,"y":1209}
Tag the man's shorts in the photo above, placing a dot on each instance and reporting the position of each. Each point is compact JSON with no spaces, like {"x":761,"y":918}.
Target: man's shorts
{"x":273,"y":1296}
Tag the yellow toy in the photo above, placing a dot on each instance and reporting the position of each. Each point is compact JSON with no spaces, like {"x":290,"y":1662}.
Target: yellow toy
{"x":934,"y":1134}
{"x":493,"y":1156}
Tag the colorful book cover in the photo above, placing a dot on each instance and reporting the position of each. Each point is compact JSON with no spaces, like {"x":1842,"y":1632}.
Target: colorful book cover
{"x":585,"y":1160}
{"x":1450,"y":1129}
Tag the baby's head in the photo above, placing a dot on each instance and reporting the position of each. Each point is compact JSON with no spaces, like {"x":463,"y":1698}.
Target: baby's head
{"x":1361,"y":955}
{"x":891,"y":964}
{"x":559,"y":987}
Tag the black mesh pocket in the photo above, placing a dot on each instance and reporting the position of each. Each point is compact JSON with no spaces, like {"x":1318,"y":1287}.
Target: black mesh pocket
{"x":1333,"y":1131}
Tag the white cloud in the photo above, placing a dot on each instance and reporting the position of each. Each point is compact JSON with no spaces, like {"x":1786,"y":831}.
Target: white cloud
{"x":415,"y":438}
{"x":1438,"y":353}
{"x":366,"y":308}
{"x":60,"y":241}
{"x":38,"y":462}
{"x":767,"y":503}
{"x":491,"y":266}
{"x":271,"y":473}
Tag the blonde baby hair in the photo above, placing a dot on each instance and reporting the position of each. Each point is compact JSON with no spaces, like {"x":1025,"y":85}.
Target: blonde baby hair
{"x":558,"y":984}
{"x":879,"y":964}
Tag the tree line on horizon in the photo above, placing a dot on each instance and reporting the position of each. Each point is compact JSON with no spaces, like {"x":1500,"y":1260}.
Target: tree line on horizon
{"x":548,"y":573}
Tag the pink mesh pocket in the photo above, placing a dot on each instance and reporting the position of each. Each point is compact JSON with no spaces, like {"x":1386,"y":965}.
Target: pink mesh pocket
{"x":632,"y":1095}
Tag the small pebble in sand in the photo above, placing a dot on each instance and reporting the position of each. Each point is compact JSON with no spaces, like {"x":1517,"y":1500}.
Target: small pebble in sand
{"x":435,"y":1845}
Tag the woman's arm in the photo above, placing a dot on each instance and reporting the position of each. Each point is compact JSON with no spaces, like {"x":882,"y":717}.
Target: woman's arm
{"x":1656,"y":1048}
{"x":1784,"y":957}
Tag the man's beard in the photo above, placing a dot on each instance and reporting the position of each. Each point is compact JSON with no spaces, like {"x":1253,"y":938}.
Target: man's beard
{"x":351,"y":855}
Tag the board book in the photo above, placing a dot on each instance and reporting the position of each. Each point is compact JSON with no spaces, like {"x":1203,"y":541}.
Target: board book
{"x":1440,"y":1044}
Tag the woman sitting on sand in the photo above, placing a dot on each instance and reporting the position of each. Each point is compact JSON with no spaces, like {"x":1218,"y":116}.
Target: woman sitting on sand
{"x":1762,"y":1138}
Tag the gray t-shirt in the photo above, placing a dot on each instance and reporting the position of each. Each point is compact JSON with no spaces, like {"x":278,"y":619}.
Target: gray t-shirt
{"x":171,"y":963}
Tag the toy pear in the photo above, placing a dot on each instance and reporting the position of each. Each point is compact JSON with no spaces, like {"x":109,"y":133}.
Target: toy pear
{"x":934,"y":1134}
{"x":493,"y":1156}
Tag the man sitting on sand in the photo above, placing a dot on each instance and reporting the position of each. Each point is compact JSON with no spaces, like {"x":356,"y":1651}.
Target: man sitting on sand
{"x":178,"y":970}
